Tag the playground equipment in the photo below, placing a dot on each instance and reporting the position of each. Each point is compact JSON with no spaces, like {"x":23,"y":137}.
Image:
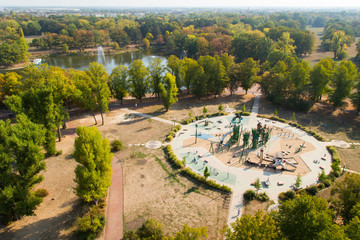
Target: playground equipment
{"x":279,"y":160}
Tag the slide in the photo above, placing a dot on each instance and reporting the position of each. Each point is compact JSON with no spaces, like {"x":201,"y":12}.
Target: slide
{"x":291,"y":164}
{"x":222,"y":140}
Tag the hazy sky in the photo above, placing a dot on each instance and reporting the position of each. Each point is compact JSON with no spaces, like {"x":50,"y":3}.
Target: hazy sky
{"x":186,"y":3}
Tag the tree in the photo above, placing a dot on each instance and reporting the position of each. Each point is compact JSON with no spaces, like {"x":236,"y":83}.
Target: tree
{"x":156,"y":70}
{"x":342,"y":82}
{"x":193,"y":76}
{"x":234,"y":77}
{"x":355,"y":98}
{"x":304,"y":217}
{"x":175,"y":65}
{"x":146,"y":43}
{"x":21,"y":162}
{"x":347,"y":196}
{"x":262,"y":226}
{"x":334,"y":233}
{"x":221,"y":108}
{"x":257,"y":185}
{"x":205,"y":110}
{"x":298,"y":181}
{"x":138,"y":78}
{"x":206,"y":172}
{"x":285,"y":44}
{"x":275,"y":112}
{"x":214,"y":75}
{"x":151,"y":229}
{"x":119,"y":84}
{"x":352,"y":229}
{"x":39,"y":106}
{"x":10,"y":84}
{"x":99,"y":89}
{"x":320,"y":77}
{"x":248,"y":74}
{"x":93,"y":174}
{"x":293,"y":117}
{"x":168,"y":91}
{"x":338,"y":43}
{"x":188,"y":233}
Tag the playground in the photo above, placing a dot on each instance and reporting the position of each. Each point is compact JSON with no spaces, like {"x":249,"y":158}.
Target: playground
{"x":239,"y":149}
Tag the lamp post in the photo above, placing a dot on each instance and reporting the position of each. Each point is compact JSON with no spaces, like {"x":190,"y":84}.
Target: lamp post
{"x":196,"y":126}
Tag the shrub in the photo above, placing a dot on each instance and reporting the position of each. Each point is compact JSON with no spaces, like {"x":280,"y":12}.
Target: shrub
{"x":249,"y":195}
{"x":327,"y":182}
{"x":117,"y":145}
{"x":171,"y":157}
{"x":169,"y":138}
{"x":287,"y":195}
{"x":263,"y":197}
{"x":178,"y":127}
{"x":41,"y":192}
{"x":91,"y":224}
{"x":321,"y":186}
{"x":313,"y":190}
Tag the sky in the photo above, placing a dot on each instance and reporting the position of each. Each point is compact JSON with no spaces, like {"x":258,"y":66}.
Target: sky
{"x":186,"y":3}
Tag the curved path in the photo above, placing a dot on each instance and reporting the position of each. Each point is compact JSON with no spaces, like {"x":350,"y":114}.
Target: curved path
{"x":115,"y":206}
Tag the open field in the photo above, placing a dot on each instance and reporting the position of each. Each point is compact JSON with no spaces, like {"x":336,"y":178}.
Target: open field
{"x":319,"y":54}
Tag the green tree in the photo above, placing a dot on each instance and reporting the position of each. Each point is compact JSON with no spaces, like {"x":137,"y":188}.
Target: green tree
{"x":347,"y":194}
{"x":221,"y":108}
{"x":206,"y":172}
{"x":214,"y":75}
{"x":119,"y":84}
{"x":339,"y":42}
{"x":205,"y":110}
{"x":188,"y":233}
{"x":139,"y":79}
{"x":248,"y":74}
{"x":304,"y":217}
{"x":293,"y":117}
{"x":93,"y":174}
{"x":352,"y":229}
{"x":156,"y":70}
{"x":234,"y":77}
{"x":259,"y":227}
{"x":151,"y":229}
{"x":257,"y":185}
{"x":275,"y":112}
{"x":10,"y":84}
{"x":285,"y":44}
{"x":355,"y":98}
{"x":298,"y":181}
{"x":334,"y":233}
{"x":168,"y":91}
{"x":99,"y":89}
{"x":175,"y":66}
{"x":342,"y":83}
{"x":21,"y":162}
{"x":320,"y":77}
{"x":193,"y":76}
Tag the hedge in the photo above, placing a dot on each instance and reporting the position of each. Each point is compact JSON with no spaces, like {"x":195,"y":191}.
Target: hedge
{"x":170,"y":155}
{"x":193,"y":119}
{"x":243,"y":113}
{"x":171,"y":135}
{"x":314,"y":134}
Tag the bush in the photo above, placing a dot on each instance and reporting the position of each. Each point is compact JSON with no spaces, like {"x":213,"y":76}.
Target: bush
{"x":313,"y":190}
{"x":287,"y":195}
{"x":91,"y":224}
{"x":263,"y":197}
{"x":321,"y":186}
{"x":249,"y":195}
{"x":171,"y":157}
{"x":169,"y":138}
{"x":41,"y":192}
{"x":117,"y":145}
{"x":178,"y":127}
{"x":327,"y":182}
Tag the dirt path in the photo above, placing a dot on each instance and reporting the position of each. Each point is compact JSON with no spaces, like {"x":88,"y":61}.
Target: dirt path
{"x":115,"y":207}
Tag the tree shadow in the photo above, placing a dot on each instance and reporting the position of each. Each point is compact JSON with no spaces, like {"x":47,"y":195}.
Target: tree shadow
{"x":50,"y":228}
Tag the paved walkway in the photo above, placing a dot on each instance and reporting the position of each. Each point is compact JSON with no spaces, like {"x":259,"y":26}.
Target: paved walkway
{"x":115,"y":206}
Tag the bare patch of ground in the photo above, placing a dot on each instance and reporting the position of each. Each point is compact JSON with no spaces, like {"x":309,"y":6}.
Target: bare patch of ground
{"x":254,"y":206}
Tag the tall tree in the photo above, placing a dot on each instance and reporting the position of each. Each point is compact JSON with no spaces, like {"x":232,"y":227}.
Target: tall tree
{"x":119,"y":83}
{"x":99,"y":89}
{"x":320,"y":77}
{"x":168,"y":91}
{"x":10,"y":84}
{"x":21,"y":161}
{"x":192,"y":73}
{"x":304,"y":217}
{"x":175,"y":65}
{"x":355,"y":98}
{"x":234,"y":77}
{"x":139,"y":79}
{"x":248,"y":73}
{"x":342,"y":83}
{"x":285,"y":44}
{"x":262,"y":226}
{"x":156,"y":70}
{"x":93,"y":174}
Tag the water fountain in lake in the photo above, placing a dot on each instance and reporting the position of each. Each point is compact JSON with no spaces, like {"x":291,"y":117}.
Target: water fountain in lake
{"x":101,"y":55}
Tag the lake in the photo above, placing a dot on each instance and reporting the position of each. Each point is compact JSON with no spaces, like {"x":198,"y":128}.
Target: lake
{"x":81,"y":62}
